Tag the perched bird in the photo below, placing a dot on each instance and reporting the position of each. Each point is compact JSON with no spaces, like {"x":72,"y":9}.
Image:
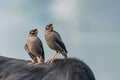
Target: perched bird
{"x":55,"y":42}
{"x":34,"y":47}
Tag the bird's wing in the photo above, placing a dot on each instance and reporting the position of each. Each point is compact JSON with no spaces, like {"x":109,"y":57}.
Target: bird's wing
{"x":26,"y":48}
{"x":39,"y":47}
{"x":58,"y":35}
{"x":59,"y":40}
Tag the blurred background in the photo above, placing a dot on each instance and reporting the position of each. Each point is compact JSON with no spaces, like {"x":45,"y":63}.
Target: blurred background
{"x":90,"y":30}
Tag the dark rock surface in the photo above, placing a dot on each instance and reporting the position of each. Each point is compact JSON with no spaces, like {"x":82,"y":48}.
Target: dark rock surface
{"x":71,"y":69}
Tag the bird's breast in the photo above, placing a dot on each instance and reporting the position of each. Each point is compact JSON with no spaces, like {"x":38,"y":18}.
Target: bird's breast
{"x":49,"y":37}
{"x":31,"y":42}
{"x":31,"y":39}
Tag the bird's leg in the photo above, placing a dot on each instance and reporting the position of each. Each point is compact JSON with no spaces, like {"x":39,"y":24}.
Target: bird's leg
{"x":64,"y":54}
{"x":33,"y":57}
{"x":52,"y":58}
{"x":55,"y":57}
{"x":33,"y":61}
{"x":41,"y":60}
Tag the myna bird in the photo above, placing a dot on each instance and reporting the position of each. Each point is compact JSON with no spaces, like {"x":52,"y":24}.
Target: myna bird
{"x":34,"y":47}
{"x":55,"y":42}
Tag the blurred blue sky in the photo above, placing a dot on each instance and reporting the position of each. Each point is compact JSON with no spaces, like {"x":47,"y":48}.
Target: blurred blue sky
{"x":89,"y":28}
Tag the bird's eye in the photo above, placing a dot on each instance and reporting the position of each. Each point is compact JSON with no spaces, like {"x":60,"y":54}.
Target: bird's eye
{"x":51,"y":26}
{"x":47,"y":27}
{"x":32,"y":32}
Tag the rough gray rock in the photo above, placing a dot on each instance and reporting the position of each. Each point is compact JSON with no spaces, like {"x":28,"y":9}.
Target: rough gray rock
{"x":71,"y":69}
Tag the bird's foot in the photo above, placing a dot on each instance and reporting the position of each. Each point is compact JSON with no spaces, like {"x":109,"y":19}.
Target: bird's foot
{"x":32,"y":62}
{"x":38,"y":63}
{"x":50,"y":61}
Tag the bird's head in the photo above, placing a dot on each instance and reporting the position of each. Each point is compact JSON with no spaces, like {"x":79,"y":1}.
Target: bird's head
{"x":34,"y":32}
{"x":49,"y":27}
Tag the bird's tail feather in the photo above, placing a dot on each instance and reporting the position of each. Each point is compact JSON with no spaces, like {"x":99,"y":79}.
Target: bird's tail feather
{"x":43,"y":56}
{"x":64,"y":53}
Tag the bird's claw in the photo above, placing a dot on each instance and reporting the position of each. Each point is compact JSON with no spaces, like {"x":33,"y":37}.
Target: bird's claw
{"x":30,"y":63}
{"x":38,"y":63}
{"x":50,"y":61}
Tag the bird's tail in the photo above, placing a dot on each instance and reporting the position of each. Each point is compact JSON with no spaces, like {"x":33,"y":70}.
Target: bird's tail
{"x":43,"y":56}
{"x":64,"y":53}
{"x":65,"y":50}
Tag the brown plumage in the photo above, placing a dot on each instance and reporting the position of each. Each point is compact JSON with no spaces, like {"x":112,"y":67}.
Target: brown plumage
{"x":55,"y":42}
{"x":34,"y":47}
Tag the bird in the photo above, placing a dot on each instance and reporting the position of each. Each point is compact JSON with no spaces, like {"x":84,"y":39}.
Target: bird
{"x":54,"y":42}
{"x":34,"y":47}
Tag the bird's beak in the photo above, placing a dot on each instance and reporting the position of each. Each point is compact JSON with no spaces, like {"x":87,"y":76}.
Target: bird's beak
{"x":38,"y":30}
{"x":52,"y":26}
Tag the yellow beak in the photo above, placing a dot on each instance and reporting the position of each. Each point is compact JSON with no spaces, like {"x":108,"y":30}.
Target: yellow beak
{"x":38,"y":30}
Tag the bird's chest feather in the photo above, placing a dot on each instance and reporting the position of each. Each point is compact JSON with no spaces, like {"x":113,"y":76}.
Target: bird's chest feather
{"x":31,"y":41}
{"x":50,"y":39}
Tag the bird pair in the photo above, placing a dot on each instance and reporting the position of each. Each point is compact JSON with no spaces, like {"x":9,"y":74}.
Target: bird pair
{"x":34,"y":46}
